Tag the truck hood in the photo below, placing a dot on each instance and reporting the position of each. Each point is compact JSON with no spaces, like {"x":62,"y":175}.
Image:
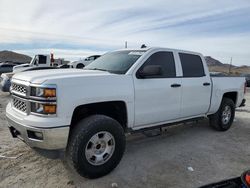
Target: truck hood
{"x":40,"y":76}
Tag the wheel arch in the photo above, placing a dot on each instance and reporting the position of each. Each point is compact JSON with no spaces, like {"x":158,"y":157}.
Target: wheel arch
{"x":114,"y":109}
{"x":231,"y":95}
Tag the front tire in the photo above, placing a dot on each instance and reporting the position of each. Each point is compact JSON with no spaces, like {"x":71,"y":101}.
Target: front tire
{"x":223,"y":118}
{"x":96,"y":146}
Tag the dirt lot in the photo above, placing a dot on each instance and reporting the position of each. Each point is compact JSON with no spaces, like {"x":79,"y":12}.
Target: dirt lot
{"x":160,"y":161}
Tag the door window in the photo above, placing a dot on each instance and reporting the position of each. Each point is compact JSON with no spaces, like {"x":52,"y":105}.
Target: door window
{"x":165,"y":60}
{"x":192,"y":65}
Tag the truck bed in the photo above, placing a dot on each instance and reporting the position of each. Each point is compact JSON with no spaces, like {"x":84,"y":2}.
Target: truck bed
{"x":223,"y":84}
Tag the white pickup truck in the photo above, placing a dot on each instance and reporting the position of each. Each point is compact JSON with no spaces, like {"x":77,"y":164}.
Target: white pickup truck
{"x":37,"y":61}
{"x":86,"y":112}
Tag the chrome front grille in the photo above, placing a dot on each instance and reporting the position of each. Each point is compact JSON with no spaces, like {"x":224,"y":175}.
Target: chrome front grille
{"x":19,"y":104}
{"x":20,"y":89}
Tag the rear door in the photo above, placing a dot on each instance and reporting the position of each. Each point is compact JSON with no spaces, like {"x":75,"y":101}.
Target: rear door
{"x":196,"y":86}
{"x":156,"y":100}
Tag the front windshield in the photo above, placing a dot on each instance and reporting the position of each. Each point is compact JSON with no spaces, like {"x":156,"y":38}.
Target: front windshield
{"x":117,"y":62}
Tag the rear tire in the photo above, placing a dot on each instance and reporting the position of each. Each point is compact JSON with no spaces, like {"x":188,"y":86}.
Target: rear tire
{"x":223,"y":118}
{"x":80,"y":66}
{"x":90,"y":139}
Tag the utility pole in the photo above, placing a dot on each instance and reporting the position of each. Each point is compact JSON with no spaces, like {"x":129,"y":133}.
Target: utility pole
{"x":126,"y":44}
{"x":230,"y":66}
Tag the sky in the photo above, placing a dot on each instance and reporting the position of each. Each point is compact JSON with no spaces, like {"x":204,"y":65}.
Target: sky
{"x":74,"y":29}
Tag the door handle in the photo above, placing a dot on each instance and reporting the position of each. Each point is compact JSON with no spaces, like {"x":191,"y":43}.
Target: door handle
{"x":176,"y":85}
{"x":206,"y":84}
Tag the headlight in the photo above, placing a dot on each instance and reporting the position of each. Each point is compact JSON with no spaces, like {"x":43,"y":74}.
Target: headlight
{"x":43,"y":92}
{"x":43,"y":109}
{"x":43,"y":100}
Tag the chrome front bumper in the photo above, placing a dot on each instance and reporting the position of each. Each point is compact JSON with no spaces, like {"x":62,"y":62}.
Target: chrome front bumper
{"x":44,"y":138}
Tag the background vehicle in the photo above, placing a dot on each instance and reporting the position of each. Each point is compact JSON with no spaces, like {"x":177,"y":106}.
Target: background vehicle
{"x":64,"y":66}
{"x":37,"y":61}
{"x":5,"y":82}
{"x":127,"y":90}
{"x":247,"y":76}
{"x":82,"y":63}
{"x":6,"y":67}
{"x":5,"y":79}
{"x":239,"y":182}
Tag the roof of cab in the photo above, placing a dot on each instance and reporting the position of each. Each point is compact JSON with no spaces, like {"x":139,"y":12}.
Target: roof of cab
{"x":158,"y":48}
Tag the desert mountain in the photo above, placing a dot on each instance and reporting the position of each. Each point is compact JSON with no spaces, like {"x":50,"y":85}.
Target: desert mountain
{"x":212,"y":62}
{"x":13,"y":57}
{"x":215,"y":65}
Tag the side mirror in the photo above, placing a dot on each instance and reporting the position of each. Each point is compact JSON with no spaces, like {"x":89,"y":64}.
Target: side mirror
{"x":149,"y":71}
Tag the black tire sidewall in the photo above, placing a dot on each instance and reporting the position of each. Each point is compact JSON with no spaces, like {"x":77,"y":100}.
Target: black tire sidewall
{"x":230,"y":103}
{"x":80,"y":66}
{"x":79,"y":159}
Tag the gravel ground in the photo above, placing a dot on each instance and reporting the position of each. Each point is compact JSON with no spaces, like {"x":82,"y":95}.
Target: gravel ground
{"x":160,"y":161}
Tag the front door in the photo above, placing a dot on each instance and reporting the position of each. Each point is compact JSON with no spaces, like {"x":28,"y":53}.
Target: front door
{"x":158,"y":98}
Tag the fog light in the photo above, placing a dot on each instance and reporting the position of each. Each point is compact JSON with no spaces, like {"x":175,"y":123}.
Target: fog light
{"x":35,"y":135}
{"x":39,"y":135}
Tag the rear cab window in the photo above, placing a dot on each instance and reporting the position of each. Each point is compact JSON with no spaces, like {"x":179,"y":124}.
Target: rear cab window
{"x":192,"y":65}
